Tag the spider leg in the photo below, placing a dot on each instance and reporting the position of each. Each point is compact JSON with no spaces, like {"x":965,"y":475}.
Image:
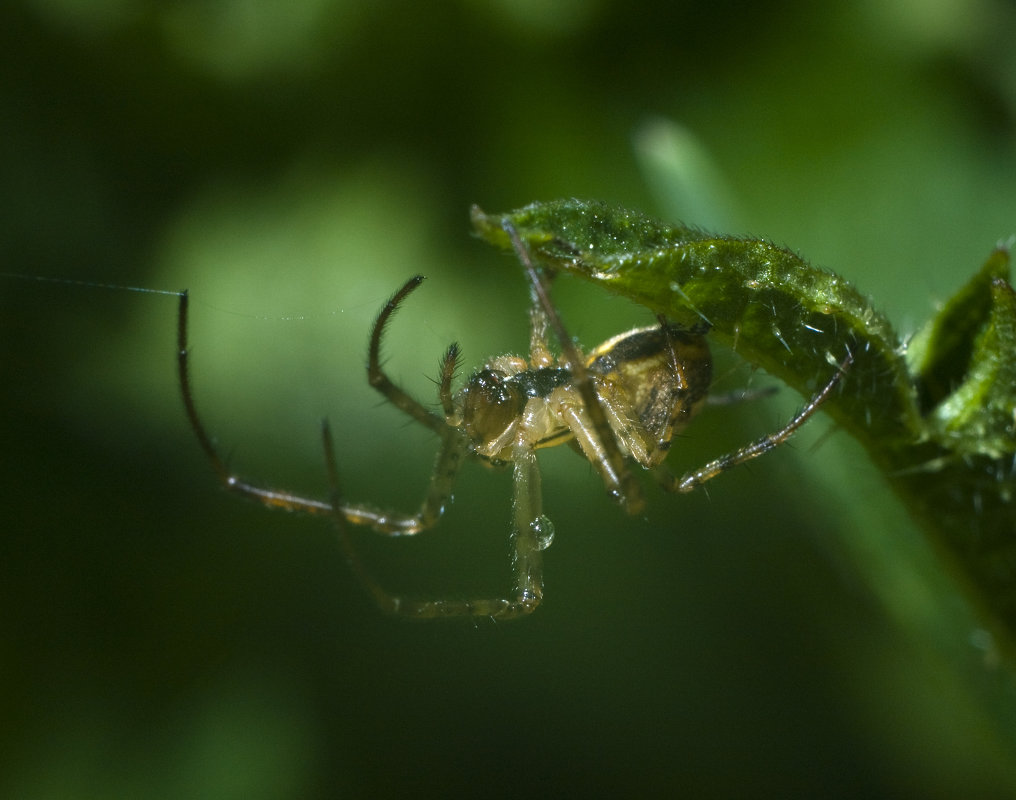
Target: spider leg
{"x":270,"y":497}
{"x":376,"y":375}
{"x":449,"y":458}
{"x":454,"y":447}
{"x":689,"y":481}
{"x":383,"y":599}
{"x":620,"y":483}
{"x":449,"y":364}
{"x":531,"y":533}
{"x":571,"y":408}
{"x":539,"y":349}
{"x":741,"y":396}
{"x":627,"y":428}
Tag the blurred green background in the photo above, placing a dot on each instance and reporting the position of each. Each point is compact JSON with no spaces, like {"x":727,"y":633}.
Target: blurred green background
{"x":785,"y":633}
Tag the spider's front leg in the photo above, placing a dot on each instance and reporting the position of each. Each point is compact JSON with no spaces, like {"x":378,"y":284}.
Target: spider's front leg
{"x":272,"y":498}
{"x":377,"y":377}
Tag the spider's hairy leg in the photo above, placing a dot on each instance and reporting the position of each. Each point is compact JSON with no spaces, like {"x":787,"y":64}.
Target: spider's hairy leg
{"x":454,"y":447}
{"x":269,"y":497}
{"x":383,"y":599}
{"x":376,"y":375}
{"x":531,"y":533}
{"x":449,"y":365}
{"x":539,"y":349}
{"x":526,"y":558}
{"x":691,"y":480}
{"x":620,"y":483}
{"x":741,"y":396}
{"x":626,"y":426}
{"x":571,"y":408}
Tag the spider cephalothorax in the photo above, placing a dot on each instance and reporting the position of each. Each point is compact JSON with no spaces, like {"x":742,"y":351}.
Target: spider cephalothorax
{"x":622,"y":402}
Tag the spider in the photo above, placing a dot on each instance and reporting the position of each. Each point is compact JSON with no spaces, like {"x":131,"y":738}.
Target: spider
{"x":622,"y":402}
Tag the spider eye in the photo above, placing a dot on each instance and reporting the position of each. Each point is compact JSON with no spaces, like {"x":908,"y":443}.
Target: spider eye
{"x":491,"y":405}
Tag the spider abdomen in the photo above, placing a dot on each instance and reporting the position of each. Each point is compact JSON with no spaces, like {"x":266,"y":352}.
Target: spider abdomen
{"x":652,"y":382}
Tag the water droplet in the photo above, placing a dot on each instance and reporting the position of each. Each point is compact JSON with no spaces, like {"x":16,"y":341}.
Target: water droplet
{"x":544,"y":530}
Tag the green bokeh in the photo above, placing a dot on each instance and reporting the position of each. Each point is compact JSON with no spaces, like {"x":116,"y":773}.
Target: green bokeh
{"x":291,"y":168}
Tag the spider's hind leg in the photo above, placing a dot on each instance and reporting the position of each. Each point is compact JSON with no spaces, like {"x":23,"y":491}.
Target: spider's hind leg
{"x":530,"y":536}
{"x":385,"y":601}
{"x":691,"y":480}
